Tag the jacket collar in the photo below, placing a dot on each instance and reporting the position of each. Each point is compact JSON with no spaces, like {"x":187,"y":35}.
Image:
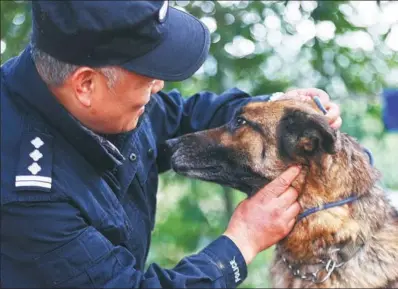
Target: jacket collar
{"x":24,"y":80}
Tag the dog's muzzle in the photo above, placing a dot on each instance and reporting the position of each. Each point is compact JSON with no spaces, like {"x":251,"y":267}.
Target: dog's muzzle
{"x":172,"y":145}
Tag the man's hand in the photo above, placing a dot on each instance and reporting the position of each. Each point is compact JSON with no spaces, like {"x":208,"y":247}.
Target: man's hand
{"x":262,"y":220}
{"x":333,"y":110}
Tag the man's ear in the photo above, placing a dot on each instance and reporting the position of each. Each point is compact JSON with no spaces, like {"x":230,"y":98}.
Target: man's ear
{"x":301,"y":134}
{"x":82,"y":81}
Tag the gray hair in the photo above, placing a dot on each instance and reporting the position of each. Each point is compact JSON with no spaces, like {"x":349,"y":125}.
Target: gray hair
{"x":54,"y":72}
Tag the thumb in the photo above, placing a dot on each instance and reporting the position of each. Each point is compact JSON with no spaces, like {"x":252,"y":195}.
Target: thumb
{"x":279,"y":185}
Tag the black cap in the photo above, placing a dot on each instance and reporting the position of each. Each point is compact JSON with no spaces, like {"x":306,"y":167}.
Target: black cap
{"x":146,"y":37}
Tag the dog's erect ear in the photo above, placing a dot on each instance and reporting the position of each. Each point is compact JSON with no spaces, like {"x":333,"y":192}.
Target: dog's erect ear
{"x":301,"y":134}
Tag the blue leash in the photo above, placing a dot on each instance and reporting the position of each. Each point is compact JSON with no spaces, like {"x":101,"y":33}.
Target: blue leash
{"x":326,"y":206}
{"x":369,"y":153}
{"x":348,"y":200}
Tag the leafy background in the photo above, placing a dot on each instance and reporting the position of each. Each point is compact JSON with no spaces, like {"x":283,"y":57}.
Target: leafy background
{"x":348,"y":48}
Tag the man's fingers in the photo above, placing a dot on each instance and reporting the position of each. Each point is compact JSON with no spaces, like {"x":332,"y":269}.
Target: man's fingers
{"x":306,"y":94}
{"x":337,"y":124}
{"x":323,"y":96}
{"x":288,"y":197}
{"x":290,"y":225}
{"x":292,"y":212}
{"x":281,"y":183}
{"x":333,"y":112}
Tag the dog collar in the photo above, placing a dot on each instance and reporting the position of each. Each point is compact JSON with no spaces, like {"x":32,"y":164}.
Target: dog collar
{"x":337,"y":257}
{"x":326,"y":206}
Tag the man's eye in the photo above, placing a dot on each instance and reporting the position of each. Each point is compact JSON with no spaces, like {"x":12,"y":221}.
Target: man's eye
{"x":240,"y":121}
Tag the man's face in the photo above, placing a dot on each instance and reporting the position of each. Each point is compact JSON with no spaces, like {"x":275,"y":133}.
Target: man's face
{"x":120,"y":106}
{"x":106,"y":108}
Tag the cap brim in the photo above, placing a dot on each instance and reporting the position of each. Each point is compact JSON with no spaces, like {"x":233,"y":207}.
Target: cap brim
{"x":181,"y":53}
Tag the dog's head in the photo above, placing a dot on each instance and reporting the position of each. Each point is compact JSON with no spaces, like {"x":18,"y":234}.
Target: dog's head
{"x":260,"y":142}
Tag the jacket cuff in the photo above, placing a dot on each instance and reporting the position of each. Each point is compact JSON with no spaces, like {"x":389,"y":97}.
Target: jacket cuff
{"x":228,"y":259}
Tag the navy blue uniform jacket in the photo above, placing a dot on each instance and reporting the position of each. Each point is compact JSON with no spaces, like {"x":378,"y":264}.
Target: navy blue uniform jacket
{"x":78,"y":208}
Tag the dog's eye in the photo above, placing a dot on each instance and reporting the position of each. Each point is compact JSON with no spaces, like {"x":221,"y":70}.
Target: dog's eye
{"x":239,"y":121}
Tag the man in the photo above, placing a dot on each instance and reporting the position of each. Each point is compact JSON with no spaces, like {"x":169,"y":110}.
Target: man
{"x":83,"y":120}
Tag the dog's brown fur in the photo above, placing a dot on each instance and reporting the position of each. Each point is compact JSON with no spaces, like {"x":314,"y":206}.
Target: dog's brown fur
{"x":267,"y":137}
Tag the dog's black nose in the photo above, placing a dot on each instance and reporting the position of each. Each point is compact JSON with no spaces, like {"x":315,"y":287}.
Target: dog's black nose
{"x":171,"y":143}
{"x":169,"y":146}
{"x":165,"y":153}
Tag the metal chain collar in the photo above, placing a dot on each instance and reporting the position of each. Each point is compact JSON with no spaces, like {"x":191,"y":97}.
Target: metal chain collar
{"x":319,"y":276}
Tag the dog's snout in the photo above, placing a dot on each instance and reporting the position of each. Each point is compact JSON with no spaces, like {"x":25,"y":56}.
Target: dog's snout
{"x":189,"y":142}
{"x":171,"y":146}
{"x":172,"y":143}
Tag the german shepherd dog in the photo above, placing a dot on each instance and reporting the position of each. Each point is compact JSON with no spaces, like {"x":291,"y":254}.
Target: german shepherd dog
{"x":350,"y":242}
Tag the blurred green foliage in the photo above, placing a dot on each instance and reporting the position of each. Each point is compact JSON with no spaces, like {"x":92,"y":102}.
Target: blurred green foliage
{"x":346,"y":48}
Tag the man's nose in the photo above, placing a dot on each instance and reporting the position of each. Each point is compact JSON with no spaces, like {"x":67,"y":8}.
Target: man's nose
{"x":157,"y":86}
